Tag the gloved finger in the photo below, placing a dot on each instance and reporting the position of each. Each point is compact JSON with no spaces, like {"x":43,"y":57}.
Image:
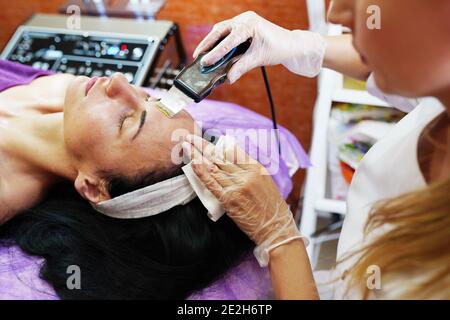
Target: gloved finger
{"x":241,"y":159}
{"x":203,"y":168}
{"x":224,"y":178}
{"x":208,"y":172}
{"x":214,"y":154}
{"x":246,"y":63}
{"x":226,"y":166}
{"x":235,"y":38}
{"x":203,"y":172}
{"x":219,"y":31}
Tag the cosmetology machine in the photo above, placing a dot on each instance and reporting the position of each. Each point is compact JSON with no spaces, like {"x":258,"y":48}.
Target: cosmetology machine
{"x":149,"y":53}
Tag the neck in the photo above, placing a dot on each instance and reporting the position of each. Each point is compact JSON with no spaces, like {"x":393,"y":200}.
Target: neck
{"x":38,"y":143}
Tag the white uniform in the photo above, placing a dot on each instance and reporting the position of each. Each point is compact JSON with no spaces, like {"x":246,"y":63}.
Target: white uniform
{"x":388,"y":170}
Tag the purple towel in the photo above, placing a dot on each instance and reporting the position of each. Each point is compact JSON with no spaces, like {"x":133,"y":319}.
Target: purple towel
{"x":19,"y":273}
{"x":14,"y":74}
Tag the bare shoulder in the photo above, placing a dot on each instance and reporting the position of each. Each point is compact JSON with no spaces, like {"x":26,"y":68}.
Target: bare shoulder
{"x":42,"y":95}
{"x":57,"y":78}
{"x":21,"y":193}
{"x":6,"y":212}
{"x":52,"y":83}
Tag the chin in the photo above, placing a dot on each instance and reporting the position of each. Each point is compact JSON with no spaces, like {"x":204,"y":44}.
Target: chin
{"x":75,"y":90}
{"x":383,"y":84}
{"x":400,"y":88}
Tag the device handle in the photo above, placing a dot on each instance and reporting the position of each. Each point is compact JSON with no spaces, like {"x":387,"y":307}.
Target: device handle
{"x":232,"y":56}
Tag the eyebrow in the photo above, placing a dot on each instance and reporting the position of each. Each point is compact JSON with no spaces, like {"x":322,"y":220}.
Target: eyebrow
{"x":141,"y":124}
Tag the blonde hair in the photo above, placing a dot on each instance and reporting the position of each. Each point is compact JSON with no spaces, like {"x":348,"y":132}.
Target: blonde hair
{"x":417,"y":243}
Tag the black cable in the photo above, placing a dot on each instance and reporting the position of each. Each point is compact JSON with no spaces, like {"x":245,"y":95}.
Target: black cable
{"x":272,"y":107}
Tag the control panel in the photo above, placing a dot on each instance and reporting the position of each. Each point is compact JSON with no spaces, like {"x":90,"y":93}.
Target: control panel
{"x":81,"y":55}
{"x":101,"y":47}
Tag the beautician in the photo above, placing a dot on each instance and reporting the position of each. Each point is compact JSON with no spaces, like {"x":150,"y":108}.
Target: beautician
{"x":398,"y":217}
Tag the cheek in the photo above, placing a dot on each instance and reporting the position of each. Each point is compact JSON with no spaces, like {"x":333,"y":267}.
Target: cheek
{"x":74,"y":93}
{"x":408,"y":54}
{"x":387,"y":49}
{"x":87,"y":133}
{"x":96,"y":131}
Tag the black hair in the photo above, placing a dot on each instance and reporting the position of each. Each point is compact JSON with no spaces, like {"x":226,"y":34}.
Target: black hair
{"x":118,"y":185}
{"x":166,"y":256}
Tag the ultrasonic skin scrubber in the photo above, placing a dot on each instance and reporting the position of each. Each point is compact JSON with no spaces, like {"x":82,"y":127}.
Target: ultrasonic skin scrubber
{"x":195,"y":82}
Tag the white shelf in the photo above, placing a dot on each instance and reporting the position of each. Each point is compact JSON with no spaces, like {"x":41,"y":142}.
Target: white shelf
{"x":331,"y":89}
{"x":357,"y":97}
{"x":330,"y":205}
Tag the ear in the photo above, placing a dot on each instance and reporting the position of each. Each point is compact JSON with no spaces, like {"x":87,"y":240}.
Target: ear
{"x":91,"y":188}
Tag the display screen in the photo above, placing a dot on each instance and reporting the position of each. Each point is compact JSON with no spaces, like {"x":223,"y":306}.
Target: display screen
{"x":193,"y":78}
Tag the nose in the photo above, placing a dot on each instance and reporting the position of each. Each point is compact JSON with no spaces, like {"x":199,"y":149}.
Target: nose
{"x":119,"y":88}
{"x":341,"y":12}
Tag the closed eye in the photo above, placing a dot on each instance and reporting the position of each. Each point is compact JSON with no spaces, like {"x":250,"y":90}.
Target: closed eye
{"x":125,"y":116}
{"x":122,"y":120}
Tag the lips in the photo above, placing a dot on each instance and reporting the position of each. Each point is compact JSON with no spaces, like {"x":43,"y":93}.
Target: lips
{"x":90,"y":84}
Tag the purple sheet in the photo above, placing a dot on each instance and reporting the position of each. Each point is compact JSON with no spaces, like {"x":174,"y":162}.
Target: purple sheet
{"x":14,"y":74}
{"x":19,"y":273}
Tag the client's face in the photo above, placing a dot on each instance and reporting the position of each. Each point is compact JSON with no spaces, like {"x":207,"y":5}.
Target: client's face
{"x":113,"y":128}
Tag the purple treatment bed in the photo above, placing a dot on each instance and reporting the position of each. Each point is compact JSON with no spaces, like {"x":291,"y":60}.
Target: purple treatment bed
{"x":19,"y":273}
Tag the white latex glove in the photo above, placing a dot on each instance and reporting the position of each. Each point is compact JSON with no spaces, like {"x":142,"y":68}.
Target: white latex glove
{"x":302,"y":52}
{"x":246,"y":192}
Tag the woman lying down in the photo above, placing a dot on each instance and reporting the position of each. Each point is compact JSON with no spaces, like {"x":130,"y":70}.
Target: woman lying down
{"x":107,"y":139}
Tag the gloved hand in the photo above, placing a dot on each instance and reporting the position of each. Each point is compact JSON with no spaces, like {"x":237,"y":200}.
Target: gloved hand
{"x":302,"y":52}
{"x":246,"y":192}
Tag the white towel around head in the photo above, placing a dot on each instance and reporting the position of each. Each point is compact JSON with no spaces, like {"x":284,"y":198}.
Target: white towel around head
{"x":164,"y":195}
